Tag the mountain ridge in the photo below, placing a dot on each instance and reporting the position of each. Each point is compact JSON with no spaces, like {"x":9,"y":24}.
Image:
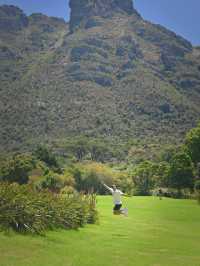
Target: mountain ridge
{"x":121,"y":76}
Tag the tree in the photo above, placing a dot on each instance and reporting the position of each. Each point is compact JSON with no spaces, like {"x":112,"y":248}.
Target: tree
{"x":197,"y":190}
{"x":142,"y":177}
{"x":181,"y":173}
{"x":91,"y":182}
{"x":198,"y":170}
{"x":77,"y":175}
{"x":79,"y":147}
{"x":168,"y":152}
{"x":161,"y":174}
{"x":192,"y":142}
{"x":100,"y":151}
{"x":17,"y":168}
{"x":44,"y":154}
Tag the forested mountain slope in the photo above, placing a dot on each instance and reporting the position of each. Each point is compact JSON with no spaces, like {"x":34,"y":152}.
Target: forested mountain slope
{"x":106,"y":73}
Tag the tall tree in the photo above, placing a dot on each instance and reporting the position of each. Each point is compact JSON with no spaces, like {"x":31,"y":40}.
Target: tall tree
{"x":181,"y":173}
{"x":193,"y":144}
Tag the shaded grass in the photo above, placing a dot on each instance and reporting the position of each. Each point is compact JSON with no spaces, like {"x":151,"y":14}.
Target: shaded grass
{"x":155,"y":233}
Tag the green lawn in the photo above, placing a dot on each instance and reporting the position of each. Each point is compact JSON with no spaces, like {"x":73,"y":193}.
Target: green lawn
{"x":155,"y":233}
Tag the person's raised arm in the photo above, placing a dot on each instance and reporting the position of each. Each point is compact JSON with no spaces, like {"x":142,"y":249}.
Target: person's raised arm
{"x":107,"y":187}
{"x":124,"y":194}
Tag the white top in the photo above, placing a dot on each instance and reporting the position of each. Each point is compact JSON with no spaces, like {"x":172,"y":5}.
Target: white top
{"x":116,"y":195}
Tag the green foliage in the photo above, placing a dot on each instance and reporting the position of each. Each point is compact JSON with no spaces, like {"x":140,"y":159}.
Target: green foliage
{"x":56,"y":182}
{"x":77,"y":174}
{"x":142,"y":176}
{"x":197,"y":185}
{"x":89,"y":148}
{"x":52,"y":182}
{"x":88,"y":177}
{"x":181,"y":172}
{"x":100,"y":151}
{"x":91,"y":182}
{"x":26,"y":210}
{"x":67,"y":190}
{"x":161,"y":173}
{"x":125,"y":183}
{"x":148,"y":175}
{"x":17,"y":168}
{"x":198,"y":170}
{"x":92,"y":214}
{"x":192,"y":142}
{"x":168,"y":152}
{"x":197,"y":190}
{"x":44,"y":154}
{"x":78,"y":147}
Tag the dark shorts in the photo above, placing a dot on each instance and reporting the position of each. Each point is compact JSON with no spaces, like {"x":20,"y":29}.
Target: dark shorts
{"x":117,"y":207}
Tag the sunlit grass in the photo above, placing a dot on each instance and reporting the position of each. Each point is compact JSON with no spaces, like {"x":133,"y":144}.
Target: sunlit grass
{"x":155,"y":233}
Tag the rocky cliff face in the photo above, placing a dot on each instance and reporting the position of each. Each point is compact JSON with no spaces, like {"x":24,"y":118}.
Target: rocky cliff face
{"x":82,"y":11}
{"x":12,"y":18}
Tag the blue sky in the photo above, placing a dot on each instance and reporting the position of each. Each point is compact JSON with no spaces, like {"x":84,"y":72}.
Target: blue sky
{"x":181,"y":16}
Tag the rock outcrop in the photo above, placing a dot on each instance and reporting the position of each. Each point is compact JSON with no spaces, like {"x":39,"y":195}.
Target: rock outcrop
{"x":12,"y":18}
{"x":83,"y":10}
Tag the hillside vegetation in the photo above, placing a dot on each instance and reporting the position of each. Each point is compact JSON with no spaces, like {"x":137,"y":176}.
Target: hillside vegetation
{"x":104,"y":75}
{"x":85,"y":165}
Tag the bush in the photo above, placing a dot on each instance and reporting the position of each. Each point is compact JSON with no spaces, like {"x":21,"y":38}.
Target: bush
{"x":68,"y":190}
{"x":52,"y":182}
{"x":197,"y":190}
{"x":44,"y":154}
{"x":25,"y":210}
{"x":92,"y":214}
{"x":88,"y":177}
{"x":17,"y":168}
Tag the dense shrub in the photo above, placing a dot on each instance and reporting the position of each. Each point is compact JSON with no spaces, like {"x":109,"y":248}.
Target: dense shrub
{"x":83,"y":148}
{"x":92,"y":214}
{"x":17,"y":168}
{"x":197,"y":190}
{"x":26,"y":210}
{"x":44,"y":154}
{"x":89,"y":176}
{"x":51,"y":181}
{"x":173,"y":193}
{"x":68,"y":190}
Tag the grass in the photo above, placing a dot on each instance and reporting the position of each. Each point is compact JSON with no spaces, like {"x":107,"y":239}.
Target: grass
{"x":156,"y":233}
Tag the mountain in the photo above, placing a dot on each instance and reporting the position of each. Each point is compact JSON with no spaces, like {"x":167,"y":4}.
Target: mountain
{"x":107,"y":73}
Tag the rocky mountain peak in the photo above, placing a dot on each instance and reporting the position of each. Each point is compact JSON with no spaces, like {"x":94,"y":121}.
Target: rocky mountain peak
{"x":10,"y":10}
{"x":83,"y":10}
{"x":12,"y":18}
